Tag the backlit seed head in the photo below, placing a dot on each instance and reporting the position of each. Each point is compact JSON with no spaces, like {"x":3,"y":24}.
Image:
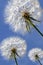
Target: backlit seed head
{"x":35,"y":54}
{"x":11,"y":46}
{"x":17,"y":11}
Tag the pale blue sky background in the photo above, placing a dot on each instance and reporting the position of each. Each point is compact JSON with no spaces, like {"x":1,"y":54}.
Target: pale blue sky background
{"x":33,"y":39}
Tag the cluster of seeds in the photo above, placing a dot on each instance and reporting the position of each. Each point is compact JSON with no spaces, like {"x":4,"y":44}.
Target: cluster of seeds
{"x":21,"y":15}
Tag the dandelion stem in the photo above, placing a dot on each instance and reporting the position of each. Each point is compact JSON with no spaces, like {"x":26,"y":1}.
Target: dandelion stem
{"x":15,"y":59}
{"x":34,"y":19}
{"x":29,"y":21}
{"x":39,"y":62}
{"x":17,"y":54}
{"x":36,"y":29}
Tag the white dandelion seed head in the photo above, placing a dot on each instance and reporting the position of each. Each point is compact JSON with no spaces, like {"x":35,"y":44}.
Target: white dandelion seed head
{"x":13,"y":15}
{"x":36,"y":51}
{"x":8,"y":44}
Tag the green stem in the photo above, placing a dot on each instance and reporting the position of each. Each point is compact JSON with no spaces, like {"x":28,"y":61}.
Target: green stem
{"x":29,"y":21}
{"x":39,"y":62}
{"x":15,"y":59}
{"x":34,"y":19}
{"x":36,"y":29}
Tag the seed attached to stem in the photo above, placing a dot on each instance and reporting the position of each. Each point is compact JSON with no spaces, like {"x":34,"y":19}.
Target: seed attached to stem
{"x":28,"y":21}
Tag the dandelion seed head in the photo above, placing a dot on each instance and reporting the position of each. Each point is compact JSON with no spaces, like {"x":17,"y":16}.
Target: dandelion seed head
{"x":35,"y":54}
{"x":13,"y":44}
{"x":13,"y":13}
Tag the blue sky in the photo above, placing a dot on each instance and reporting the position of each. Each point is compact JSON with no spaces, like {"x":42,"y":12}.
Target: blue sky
{"x":33,"y":39}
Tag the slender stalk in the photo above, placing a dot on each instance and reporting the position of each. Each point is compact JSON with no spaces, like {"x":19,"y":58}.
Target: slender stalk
{"x":15,"y":59}
{"x":34,"y":19}
{"x":17,"y":54}
{"x":27,"y":26}
{"x":36,"y":29}
{"x":29,"y":21}
{"x":39,"y":62}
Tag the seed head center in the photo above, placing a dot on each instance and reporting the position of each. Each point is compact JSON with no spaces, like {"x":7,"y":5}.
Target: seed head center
{"x":26,"y":15}
{"x":36,"y":57}
{"x":13,"y":50}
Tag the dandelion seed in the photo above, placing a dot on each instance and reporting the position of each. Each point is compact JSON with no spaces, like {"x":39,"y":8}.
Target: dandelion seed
{"x":15,"y":11}
{"x":35,"y":54}
{"x":13,"y":48}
